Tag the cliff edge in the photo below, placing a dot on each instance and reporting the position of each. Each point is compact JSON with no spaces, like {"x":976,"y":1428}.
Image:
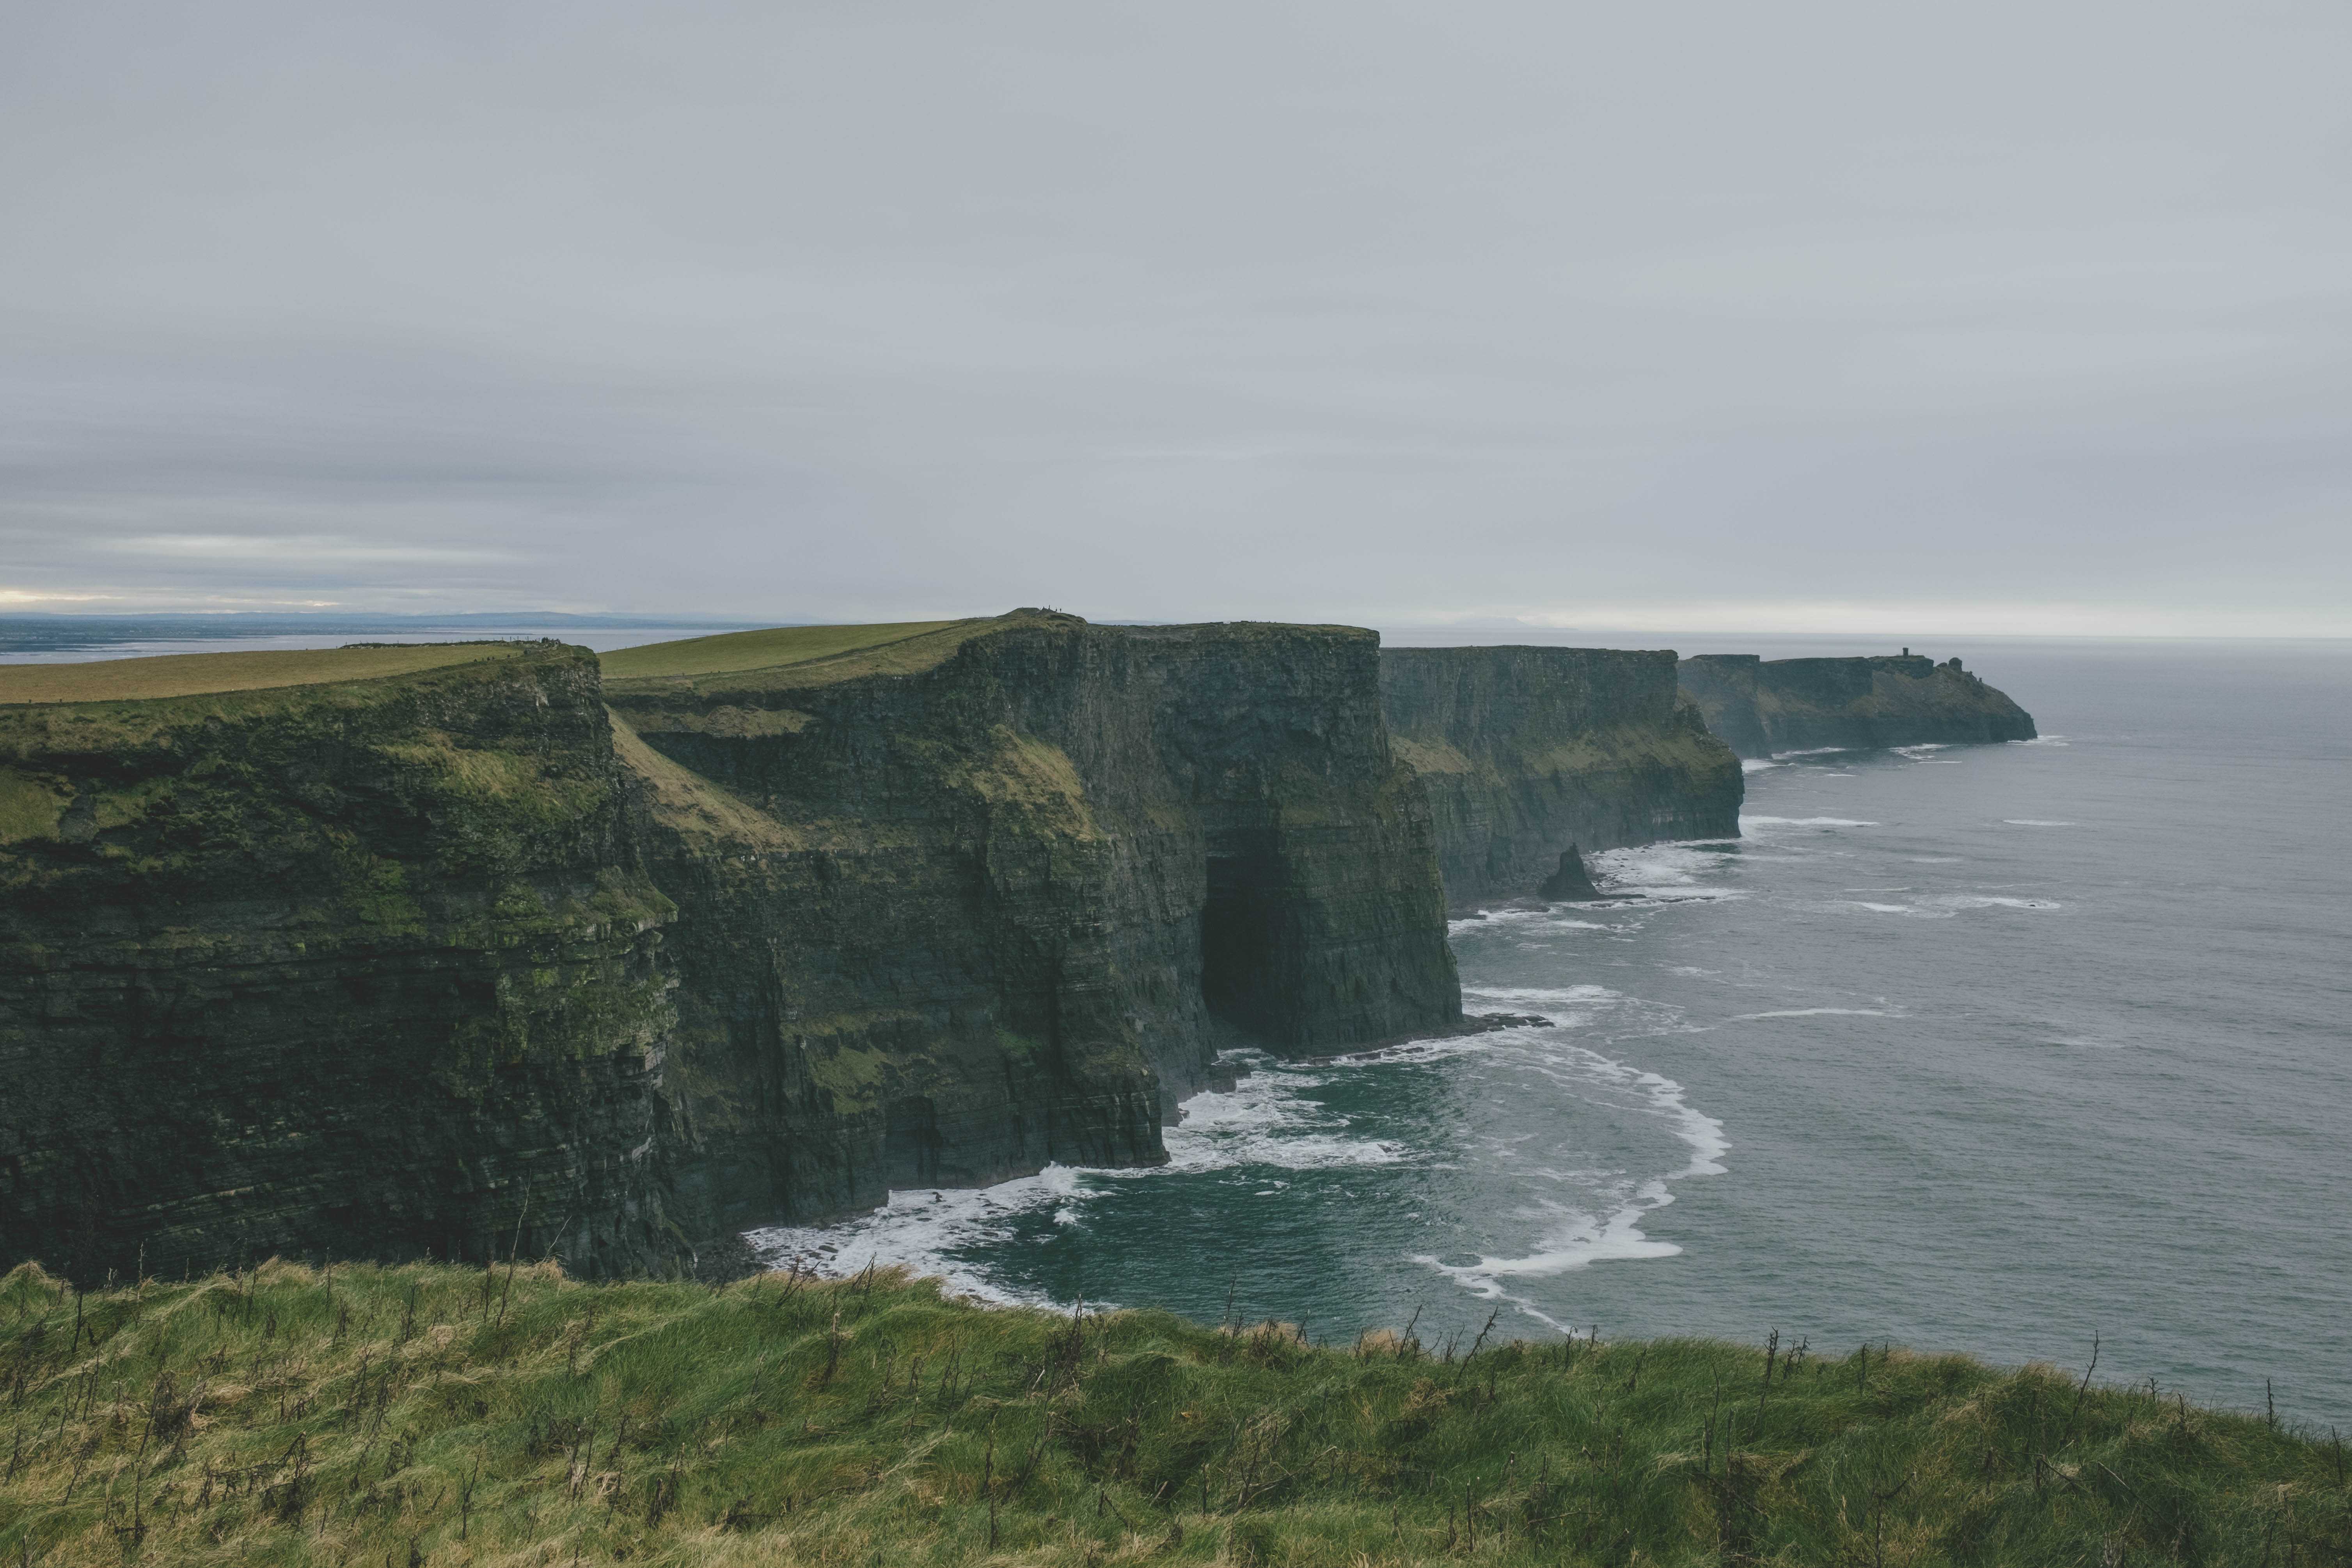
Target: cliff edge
{"x":1761,"y":706}
{"x":467,"y":949}
{"x":349,"y":954}
{"x":961,"y":899}
{"x":1527,"y":752}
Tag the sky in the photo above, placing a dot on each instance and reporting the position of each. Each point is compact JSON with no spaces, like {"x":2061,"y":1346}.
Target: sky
{"x":1859,"y":318}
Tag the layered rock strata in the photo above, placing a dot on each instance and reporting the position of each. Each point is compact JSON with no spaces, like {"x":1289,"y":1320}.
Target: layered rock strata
{"x":991,"y":895}
{"x":1761,"y":706}
{"x":1527,"y":752}
{"x":356,"y":967}
{"x":384,"y":952}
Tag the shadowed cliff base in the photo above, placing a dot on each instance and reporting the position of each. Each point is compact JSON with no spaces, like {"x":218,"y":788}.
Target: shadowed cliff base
{"x":1527,"y":752}
{"x":1761,"y":706}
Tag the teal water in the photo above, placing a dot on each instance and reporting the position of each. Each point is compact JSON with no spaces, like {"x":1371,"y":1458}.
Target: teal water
{"x":1982,"y":1049}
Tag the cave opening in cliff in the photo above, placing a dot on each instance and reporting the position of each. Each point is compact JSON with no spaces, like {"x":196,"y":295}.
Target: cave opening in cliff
{"x":1241,"y":924}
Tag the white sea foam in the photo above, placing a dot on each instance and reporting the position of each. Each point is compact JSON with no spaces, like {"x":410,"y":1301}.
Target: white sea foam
{"x":1821,"y":1013}
{"x":1545,"y":917}
{"x":1988,"y":902}
{"x":1890,"y":909}
{"x":1921,"y":750}
{"x":1812,"y":752}
{"x":2034,"y":822}
{"x":1666,"y":872}
{"x":1746,"y":822}
{"x":925,"y":1228}
{"x":2041,"y":741}
{"x":1606,"y":1225}
{"x":1573,"y":1237}
{"x":1755,"y":764}
{"x":1263,"y":1121}
{"x":1536,"y":994}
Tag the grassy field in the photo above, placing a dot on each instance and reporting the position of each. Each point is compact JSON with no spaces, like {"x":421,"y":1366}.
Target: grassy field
{"x":422,"y":1416}
{"x":731,"y":652}
{"x":198,"y":674}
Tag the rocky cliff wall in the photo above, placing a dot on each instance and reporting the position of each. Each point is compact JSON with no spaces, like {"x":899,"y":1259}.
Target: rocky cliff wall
{"x":459,"y":958}
{"x":1760,"y":705}
{"x":357,"y":967}
{"x":992,"y":895}
{"x":1525,"y":752}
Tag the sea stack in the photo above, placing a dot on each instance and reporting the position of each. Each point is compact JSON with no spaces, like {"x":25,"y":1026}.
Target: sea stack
{"x":1573,"y":883}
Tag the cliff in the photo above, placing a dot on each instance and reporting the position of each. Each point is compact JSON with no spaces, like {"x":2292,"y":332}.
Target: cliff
{"x":1760,"y":705}
{"x":976,"y":897}
{"x":392,"y":951}
{"x":349,"y":954}
{"x":1527,"y":752}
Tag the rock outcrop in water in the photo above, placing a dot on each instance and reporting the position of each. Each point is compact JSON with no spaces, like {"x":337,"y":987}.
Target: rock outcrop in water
{"x":458,"y":959}
{"x":1762,"y":706}
{"x":1528,"y":752}
{"x":1571,"y":883}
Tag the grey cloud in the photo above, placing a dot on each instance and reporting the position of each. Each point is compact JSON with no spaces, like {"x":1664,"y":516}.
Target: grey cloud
{"x":1363,"y":311}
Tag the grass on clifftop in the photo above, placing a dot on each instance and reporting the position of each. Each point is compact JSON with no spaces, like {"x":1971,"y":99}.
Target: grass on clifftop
{"x":200,"y":674}
{"x":437,"y":1415}
{"x":731,"y":652}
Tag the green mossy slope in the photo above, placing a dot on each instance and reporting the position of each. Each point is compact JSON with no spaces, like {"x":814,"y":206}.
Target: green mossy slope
{"x":451,"y":1416}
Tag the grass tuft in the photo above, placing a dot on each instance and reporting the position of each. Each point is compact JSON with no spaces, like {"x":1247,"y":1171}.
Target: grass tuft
{"x":731,"y":652}
{"x":510,"y":1416}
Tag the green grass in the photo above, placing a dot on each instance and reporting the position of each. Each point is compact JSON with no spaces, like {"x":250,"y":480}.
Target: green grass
{"x":199,"y":674}
{"x":438,"y":1415}
{"x":731,"y":652}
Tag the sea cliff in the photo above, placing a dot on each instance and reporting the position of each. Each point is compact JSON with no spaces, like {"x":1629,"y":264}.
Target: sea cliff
{"x":987,"y":895}
{"x":1528,"y":753}
{"x":1761,"y":706}
{"x":366,"y":965}
{"x":472,"y":951}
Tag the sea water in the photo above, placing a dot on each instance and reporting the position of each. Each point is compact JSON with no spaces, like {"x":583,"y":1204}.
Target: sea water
{"x":1980,"y":1049}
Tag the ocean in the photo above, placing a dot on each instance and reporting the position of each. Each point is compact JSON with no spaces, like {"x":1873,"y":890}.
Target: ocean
{"x":1991,"y":1050}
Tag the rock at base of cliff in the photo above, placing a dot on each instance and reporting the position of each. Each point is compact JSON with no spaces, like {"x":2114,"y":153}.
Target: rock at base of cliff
{"x":1571,"y":884}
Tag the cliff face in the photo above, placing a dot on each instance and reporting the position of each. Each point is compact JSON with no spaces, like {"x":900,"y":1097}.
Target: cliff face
{"x":990,"y":895}
{"x":364,"y":968}
{"x":1759,"y":707}
{"x":1525,"y":752}
{"x":384,"y":951}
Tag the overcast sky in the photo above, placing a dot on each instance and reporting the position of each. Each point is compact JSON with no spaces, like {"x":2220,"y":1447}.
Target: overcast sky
{"x":1996,"y":316}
